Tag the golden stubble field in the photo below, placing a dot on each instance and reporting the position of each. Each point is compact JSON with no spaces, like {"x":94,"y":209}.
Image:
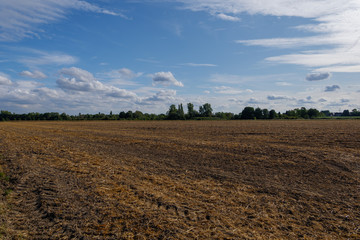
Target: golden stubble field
{"x":180,"y":180}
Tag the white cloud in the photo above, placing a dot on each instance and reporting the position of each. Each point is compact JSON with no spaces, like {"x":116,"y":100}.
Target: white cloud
{"x":123,"y":76}
{"x":45,"y":92}
{"x":199,"y":65}
{"x":4,"y":79}
{"x":227,"y":17}
{"x":79,"y":80}
{"x":307,"y":100}
{"x":318,"y":76}
{"x":227,"y":78}
{"x":304,"y":8}
{"x":349,"y":69}
{"x":162,"y":96}
{"x":120,"y":93}
{"x":166,"y":79}
{"x":332,"y":88}
{"x":283,"y":84}
{"x":34,"y":74}
{"x":329,"y":59}
{"x":228,"y":90}
{"x":47,"y":58}
{"x":292,"y":42}
{"x":22,"y":18}
{"x":126,"y":73}
{"x":275,"y":98}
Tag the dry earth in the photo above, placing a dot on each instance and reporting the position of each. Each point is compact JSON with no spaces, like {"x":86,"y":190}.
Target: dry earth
{"x":180,"y":180}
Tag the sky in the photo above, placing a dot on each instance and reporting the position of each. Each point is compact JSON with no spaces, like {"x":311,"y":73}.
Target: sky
{"x":87,"y":56}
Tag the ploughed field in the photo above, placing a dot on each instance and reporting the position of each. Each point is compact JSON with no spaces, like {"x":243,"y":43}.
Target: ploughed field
{"x":180,"y":180}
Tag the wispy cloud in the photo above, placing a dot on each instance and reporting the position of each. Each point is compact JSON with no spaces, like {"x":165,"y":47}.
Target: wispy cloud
{"x":46,"y":58}
{"x":336,"y":26}
{"x":199,"y":64}
{"x":230,"y":90}
{"x":35,"y":74}
{"x":123,"y":76}
{"x":22,"y":19}
{"x":283,"y":84}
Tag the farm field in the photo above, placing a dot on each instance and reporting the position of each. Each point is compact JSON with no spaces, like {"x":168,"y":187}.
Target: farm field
{"x":180,"y":180}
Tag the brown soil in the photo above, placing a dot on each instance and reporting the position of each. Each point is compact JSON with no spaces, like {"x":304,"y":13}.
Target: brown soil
{"x":180,"y":180}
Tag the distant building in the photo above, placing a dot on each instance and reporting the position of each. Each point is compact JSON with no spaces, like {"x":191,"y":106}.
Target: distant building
{"x":337,"y":114}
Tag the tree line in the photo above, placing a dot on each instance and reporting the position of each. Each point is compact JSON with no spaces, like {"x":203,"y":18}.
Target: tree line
{"x":205,"y":112}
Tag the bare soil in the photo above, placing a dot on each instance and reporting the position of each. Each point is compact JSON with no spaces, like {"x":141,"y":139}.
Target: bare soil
{"x":180,"y":180}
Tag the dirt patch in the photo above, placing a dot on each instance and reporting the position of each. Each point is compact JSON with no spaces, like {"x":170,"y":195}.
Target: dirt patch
{"x":178,"y":180}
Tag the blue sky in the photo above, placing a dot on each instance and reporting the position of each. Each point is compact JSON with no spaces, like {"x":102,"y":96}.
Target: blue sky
{"x":88,"y":56}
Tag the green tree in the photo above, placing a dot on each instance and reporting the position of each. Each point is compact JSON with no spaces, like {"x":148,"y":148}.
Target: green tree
{"x":265,"y":113}
{"x":248,"y":113}
{"x":172,"y":114}
{"x":346,"y":113}
{"x":138,"y":115}
{"x":205,"y":110}
{"x":273,"y":114}
{"x":313,"y":113}
{"x":64,"y":116}
{"x":258,"y":113}
{"x":191,"y":112}
{"x":129,"y":115}
{"x":181,"y":114}
{"x":355,"y":112}
{"x":326,"y":113}
{"x":122,"y":115}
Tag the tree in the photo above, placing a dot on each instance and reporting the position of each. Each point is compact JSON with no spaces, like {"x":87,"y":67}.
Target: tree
{"x":313,"y":113}
{"x":129,"y":115}
{"x":138,"y":115}
{"x":258,"y":113}
{"x":355,"y":112}
{"x":273,"y":114}
{"x":205,"y":110}
{"x":63,"y":116}
{"x":172,"y":114}
{"x":181,"y":114}
{"x":122,"y":115}
{"x":265,"y":113}
{"x":191,"y":112}
{"x":224,"y":115}
{"x":248,"y":113}
{"x":304,"y":113}
{"x":327,"y":113}
{"x":346,"y":113}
